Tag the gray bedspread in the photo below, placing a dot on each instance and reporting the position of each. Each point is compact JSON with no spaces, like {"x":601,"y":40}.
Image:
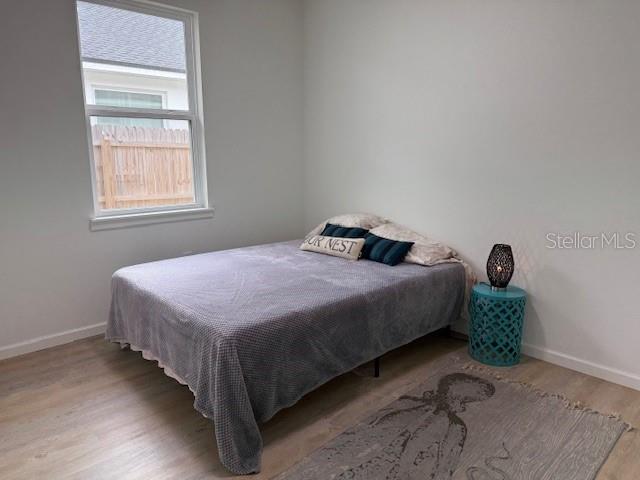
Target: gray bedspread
{"x":252,"y":330}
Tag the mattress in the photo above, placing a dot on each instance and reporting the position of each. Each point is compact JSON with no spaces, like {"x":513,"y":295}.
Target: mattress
{"x":251,"y":330}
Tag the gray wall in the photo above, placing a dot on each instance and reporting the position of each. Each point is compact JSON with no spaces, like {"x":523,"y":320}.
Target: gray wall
{"x":485,"y":122}
{"x":54,"y":272}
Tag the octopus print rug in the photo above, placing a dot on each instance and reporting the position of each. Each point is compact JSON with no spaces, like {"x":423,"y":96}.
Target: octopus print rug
{"x":465,"y":423}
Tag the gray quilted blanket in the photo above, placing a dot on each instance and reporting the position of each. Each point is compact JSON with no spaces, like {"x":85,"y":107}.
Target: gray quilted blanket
{"x":251,"y":330}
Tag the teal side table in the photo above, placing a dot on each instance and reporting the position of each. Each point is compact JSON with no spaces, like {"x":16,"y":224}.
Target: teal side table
{"x":497,"y":317}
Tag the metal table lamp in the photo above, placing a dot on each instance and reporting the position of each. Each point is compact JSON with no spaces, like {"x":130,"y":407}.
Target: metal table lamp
{"x":500,"y":266}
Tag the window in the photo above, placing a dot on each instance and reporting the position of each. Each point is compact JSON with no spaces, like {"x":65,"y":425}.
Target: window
{"x":143,"y":111}
{"x":127,"y":99}
{"x":131,"y":100}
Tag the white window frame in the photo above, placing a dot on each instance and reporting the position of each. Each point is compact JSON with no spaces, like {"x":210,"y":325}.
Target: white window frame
{"x":117,"y":218}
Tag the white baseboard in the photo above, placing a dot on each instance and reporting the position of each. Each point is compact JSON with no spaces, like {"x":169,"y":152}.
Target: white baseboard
{"x":584,"y":366}
{"x":47,"y":341}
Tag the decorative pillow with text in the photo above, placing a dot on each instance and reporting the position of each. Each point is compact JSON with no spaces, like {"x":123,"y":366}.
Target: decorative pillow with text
{"x":349,"y":248}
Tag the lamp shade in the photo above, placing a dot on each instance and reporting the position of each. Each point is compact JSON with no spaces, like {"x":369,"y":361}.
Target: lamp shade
{"x":500,"y":265}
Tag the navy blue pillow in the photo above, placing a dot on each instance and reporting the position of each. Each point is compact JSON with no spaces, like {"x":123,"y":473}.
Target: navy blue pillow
{"x":384,"y":250}
{"x":331,"y":230}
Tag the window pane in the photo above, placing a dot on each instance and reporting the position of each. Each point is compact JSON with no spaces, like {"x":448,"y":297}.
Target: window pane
{"x":128,"y":99}
{"x":130,"y":50}
{"x":139,"y":166}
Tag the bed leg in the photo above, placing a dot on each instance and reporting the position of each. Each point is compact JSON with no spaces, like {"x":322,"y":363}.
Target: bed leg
{"x":376,"y":367}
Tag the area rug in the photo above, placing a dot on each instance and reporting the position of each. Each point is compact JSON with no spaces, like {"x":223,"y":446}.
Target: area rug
{"x":466,"y":423}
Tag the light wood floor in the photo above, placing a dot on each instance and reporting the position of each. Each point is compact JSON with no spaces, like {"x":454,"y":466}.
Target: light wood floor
{"x":90,"y":411}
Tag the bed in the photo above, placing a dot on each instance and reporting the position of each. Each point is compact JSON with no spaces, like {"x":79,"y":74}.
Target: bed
{"x":251,"y":330}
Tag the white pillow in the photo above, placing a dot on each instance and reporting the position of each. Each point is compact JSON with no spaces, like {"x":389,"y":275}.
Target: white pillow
{"x":351,"y":220}
{"x":349,"y":248}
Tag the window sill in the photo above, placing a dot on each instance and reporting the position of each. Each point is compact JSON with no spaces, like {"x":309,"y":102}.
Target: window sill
{"x":148,"y":218}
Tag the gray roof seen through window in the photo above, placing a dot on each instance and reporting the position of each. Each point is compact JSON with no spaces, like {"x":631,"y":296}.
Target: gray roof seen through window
{"x":114,"y":35}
